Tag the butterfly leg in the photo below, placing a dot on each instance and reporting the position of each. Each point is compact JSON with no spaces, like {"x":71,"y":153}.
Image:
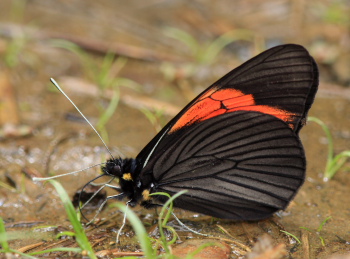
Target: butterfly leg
{"x":118,"y":189}
{"x":119,"y":196}
{"x":149,"y":205}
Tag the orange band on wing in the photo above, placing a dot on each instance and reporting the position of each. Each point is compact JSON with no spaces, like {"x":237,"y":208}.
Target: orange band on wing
{"x":216,"y":102}
{"x":196,"y":113}
{"x":278,"y":113}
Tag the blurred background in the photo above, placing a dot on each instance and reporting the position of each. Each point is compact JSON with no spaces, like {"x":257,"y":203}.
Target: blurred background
{"x":132,"y":65}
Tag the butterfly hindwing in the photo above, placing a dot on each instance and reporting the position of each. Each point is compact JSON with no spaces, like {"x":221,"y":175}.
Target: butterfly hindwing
{"x":241,"y":165}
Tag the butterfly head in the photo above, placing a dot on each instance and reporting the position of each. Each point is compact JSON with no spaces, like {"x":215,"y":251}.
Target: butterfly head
{"x":126,"y":171}
{"x":113,"y":167}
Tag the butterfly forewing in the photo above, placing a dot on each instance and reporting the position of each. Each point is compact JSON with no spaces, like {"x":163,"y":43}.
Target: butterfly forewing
{"x":281,"y":81}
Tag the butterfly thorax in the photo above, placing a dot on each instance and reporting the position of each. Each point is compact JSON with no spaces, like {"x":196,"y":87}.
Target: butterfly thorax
{"x":128,"y":170}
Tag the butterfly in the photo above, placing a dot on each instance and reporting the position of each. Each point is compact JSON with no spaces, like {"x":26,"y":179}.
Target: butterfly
{"x":235,"y":148}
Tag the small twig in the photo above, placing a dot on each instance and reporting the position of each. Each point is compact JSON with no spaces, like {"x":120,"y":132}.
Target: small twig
{"x":23,"y":224}
{"x":228,"y":240}
{"x":30,"y":247}
{"x":57,"y":243}
{"x":116,"y":252}
{"x":305,"y":244}
{"x":237,"y":243}
{"x":98,"y":241}
{"x":248,"y":231}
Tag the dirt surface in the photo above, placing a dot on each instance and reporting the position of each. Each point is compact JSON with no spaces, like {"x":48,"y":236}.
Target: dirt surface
{"x":44,"y":135}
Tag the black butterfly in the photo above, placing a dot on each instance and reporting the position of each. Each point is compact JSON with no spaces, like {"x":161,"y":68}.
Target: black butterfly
{"x":235,"y":147}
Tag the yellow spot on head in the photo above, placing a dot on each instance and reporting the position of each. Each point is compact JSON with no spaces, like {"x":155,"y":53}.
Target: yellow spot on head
{"x":145,"y":195}
{"x":127,"y":177}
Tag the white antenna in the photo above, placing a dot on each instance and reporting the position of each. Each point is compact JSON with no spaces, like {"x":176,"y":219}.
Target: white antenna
{"x":60,"y":89}
{"x":36,"y":179}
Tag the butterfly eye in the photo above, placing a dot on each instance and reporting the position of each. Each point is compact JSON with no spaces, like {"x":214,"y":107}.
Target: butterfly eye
{"x":116,"y":171}
{"x":112,"y":169}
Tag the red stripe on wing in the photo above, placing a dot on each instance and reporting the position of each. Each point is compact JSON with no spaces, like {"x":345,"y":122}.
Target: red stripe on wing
{"x":216,"y":102}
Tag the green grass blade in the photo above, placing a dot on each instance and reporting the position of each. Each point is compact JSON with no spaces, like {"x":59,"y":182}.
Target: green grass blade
{"x":80,"y":236}
{"x":323,"y":243}
{"x":337,"y":162}
{"x":87,"y":62}
{"x":184,"y":37}
{"x":17,"y":252}
{"x":102,"y":77}
{"x":126,"y":82}
{"x":65,"y":233}
{"x":323,"y":223}
{"x":168,"y":204}
{"x":307,"y":229}
{"x":113,"y":104}
{"x":334,"y":163}
{"x":13,"y":51}
{"x":3,"y":236}
{"x":110,"y":68}
{"x":6,"y":186}
{"x":4,"y":244}
{"x":293,"y":236}
{"x":164,"y":216}
{"x":328,"y":135}
{"x":327,"y":174}
{"x":221,"y":42}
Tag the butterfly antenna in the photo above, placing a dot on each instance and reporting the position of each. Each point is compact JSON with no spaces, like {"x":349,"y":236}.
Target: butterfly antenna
{"x":60,"y":89}
{"x":37,"y":179}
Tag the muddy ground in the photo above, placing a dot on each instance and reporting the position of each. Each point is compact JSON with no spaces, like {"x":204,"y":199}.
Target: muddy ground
{"x":47,"y":136}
